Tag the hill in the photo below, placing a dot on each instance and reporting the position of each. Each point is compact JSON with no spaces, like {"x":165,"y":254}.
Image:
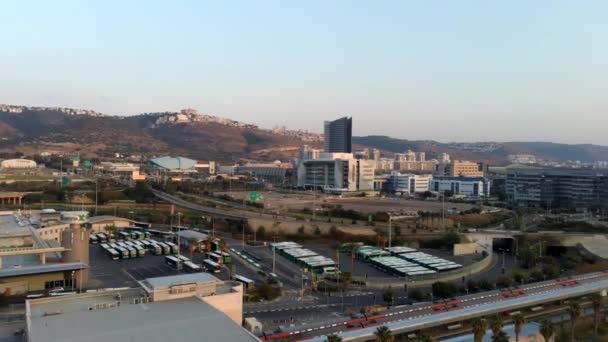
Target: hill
{"x":32,"y":130}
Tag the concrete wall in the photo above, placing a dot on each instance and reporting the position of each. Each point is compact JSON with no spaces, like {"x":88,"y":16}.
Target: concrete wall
{"x":16,"y":241}
{"x":468,"y":248}
{"x":21,"y":285}
{"x":183,"y":291}
{"x":53,"y":232}
{"x":231,"y":304}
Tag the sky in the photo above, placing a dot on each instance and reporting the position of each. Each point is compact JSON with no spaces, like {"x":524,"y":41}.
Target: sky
{"x":465,"y":70}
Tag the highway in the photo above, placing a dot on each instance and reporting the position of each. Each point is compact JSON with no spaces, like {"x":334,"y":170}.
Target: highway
{"x":427,"y":315}
{"x":194,"y":207}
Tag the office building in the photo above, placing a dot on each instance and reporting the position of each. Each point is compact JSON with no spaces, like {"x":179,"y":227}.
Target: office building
{"x":461,"y":186}
{"x":336,"y":173}
{"x":579,"y":189}
{"x":443,"y":158}
{"x":420,"y":156}
{"x":411,"y":184}
{"x":338,"y":135}
{"x":461,"y":168}
{"x":189,"y":307}
{"x":375,"y":154}
{"x":309,"y":153}
{"x":416,"y":166}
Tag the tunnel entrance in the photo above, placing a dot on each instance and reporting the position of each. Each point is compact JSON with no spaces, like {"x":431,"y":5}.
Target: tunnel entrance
{"x":503,"y":244}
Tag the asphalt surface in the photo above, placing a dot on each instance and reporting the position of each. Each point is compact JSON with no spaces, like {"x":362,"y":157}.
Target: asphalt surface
{"x":419,"y":310}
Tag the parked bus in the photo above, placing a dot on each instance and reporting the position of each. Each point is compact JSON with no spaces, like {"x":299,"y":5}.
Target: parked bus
{"x":124,"y":236}
{"x":247,"y":283}
{"x":114,"y":255}
{"x":174,"y":249}
{"x":215,"y":257}
{"x":93,"y":239}
{"x":140,"y":250}
{"x":105,"y":246}
{"x":132,"y":252}
{"x":212,"y":266}
{"x":124,"y":253}
{"x":113,"y":245}
{"x":102,"y":237}
{"x":227,"y":257}
{"x":173,"y":262}
{"x":182,"y":258}
{"x":191,"y":267}
{"x":165,"y":247}
{"x":155,"y":249}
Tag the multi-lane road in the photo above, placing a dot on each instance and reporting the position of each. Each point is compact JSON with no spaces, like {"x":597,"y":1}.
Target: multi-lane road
{"x":427,"y":315}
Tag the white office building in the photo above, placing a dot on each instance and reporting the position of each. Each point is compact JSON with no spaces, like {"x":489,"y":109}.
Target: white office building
{"x":336,"y":173}
{"x":408,"y":183}
{"x":462,"y":186}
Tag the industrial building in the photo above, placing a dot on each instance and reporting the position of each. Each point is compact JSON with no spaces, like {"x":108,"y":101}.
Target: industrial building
{"x":462,"y":186}
{"x":185,"y":307}
{"x":557,"y":188}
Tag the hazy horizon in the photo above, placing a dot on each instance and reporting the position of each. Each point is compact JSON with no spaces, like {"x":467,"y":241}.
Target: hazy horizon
{"x":445,"y":71}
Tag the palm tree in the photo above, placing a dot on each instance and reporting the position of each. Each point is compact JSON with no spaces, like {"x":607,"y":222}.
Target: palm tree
{"x":518,"y":320}
{"x":496,"y":324}
{"x":596,"y":302}
{"x":479,"y":326}
{"x":384,"y":334}
{"x":501,"y":336}
{"x":575,"y":312}
{"x":333,"y":338}
{"x":547,"y":329}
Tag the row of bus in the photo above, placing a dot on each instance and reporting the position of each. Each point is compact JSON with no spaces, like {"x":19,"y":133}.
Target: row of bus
{"x":138,"y":248}
{"x":131,"y":235}
{"x":180,"y":262}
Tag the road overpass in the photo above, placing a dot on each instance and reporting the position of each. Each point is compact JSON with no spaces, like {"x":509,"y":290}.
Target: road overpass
{"x":198,"y":208}
{"x":422,"y":316}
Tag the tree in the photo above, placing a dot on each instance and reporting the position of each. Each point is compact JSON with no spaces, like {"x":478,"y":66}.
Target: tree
{"x":416,"y":294}
{"x":575,"y":312}
{"x":596,"y":302}
{"x":479,"y":326}
{"x":519,"y":321}
{"x":333,"y":338}
{"x":261,"y":232}
{"x":425,"y":337}
{"x":496,"y":324}
{"x":501,"y":336}
{"x":389,"y":296}
{"x":384,"y":334}
{"x":547,"y":329}
{"x":444,"y":289}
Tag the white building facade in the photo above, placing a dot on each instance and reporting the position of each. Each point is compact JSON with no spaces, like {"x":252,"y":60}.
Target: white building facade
{"x":337,"y":173}
{"x":409,"y":183}
{"x":462,"y":186}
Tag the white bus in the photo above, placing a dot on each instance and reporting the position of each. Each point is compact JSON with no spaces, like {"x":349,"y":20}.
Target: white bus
{"x":140,"y":250}
{"x":191,"y":267}
{"x":102,"y":237}
{"x":132,"y":252}
{"x":247,"y":283}
{"x":216,"y":257}
{"x":155,"y":249}
{"x":173,"y":262}
{"x":113,"y":254}
{"x":212,"y":266}
{"x":182,"y":258}
{"x":105,"y":246}
{"x":165,"y":247}
{"x":174,"y":249}
{"x":124,"y":253}
{"x":93,"y":239}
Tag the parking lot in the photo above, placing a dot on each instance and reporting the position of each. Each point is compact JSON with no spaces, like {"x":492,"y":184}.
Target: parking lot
{"x":108,"y":273}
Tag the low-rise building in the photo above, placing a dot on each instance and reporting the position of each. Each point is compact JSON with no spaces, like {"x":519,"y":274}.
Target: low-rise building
{"x":17,"y":164}
{"x":461,"y":186}
{"x":407,"y":183}
{"x":461,"y":168}
{"x":185,"y":307}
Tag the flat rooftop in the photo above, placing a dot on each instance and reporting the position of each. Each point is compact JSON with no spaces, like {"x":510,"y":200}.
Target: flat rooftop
{"x":69,"y":319}
{"x":11,"y":271}
{"x":164,"y":282}
{"x":10,"y":227}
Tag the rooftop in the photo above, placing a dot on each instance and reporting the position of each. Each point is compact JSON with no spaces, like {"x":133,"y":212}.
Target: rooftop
{"x":40,"y":269}
{"x":102,"y":218}
{"x":71,"y":319}
{"x":9,"y":226}
{"x":164,"y":282}
{"x":174,"y":163}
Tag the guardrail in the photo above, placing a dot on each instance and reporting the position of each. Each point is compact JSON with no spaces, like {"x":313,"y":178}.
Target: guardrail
{"x":425,"y":280}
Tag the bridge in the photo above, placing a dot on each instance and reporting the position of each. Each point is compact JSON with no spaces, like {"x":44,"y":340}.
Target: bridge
{"x":406,"y":319}
{"x":198,"y":208}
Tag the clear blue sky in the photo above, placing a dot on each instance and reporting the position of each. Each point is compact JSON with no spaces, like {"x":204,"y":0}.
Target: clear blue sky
{"x":429,"y":69}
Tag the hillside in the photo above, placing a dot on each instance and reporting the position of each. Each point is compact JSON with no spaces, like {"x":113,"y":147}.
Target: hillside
{"x":32,"y":130}
{"x":494,"y":153}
